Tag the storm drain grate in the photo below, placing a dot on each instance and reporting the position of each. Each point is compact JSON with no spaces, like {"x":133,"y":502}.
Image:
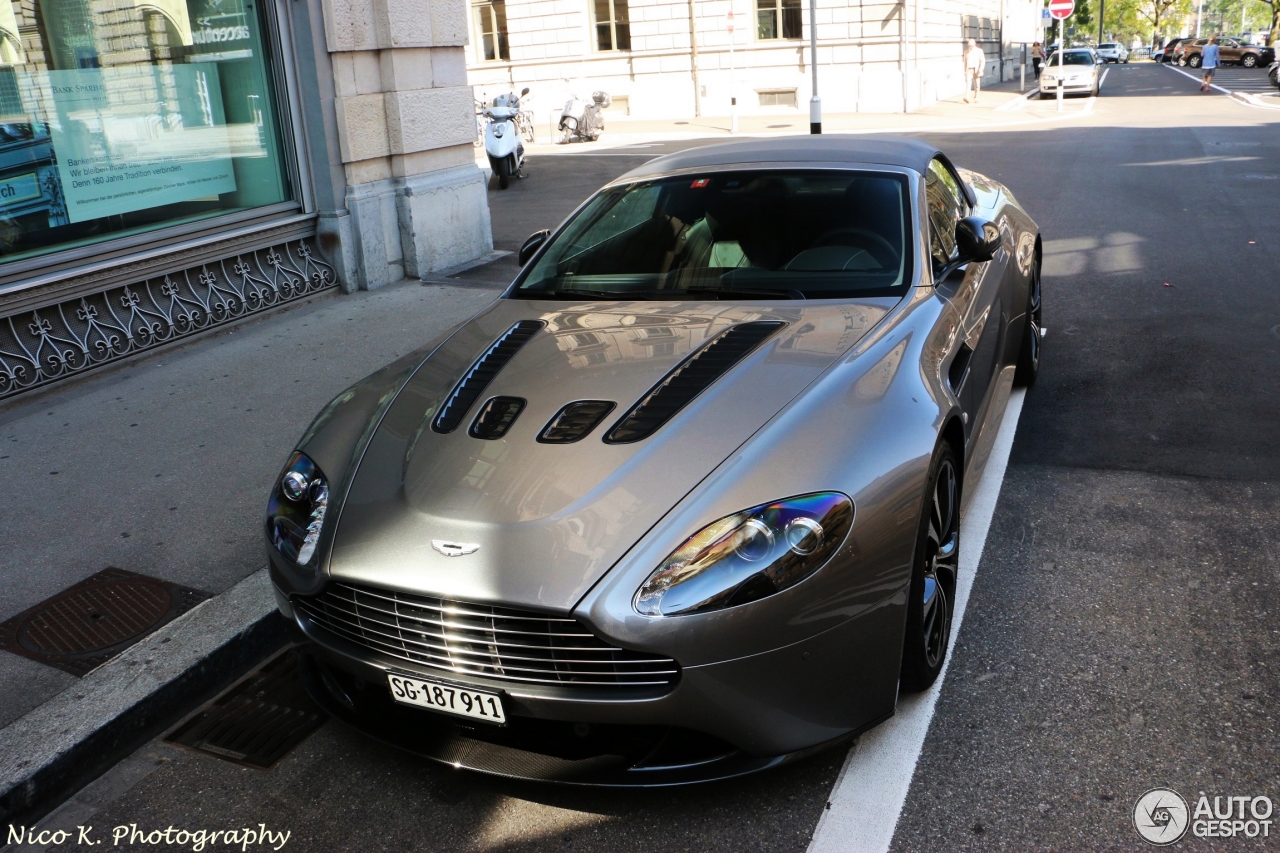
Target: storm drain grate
{"x":86,"y":625}
{"x":259,"y":720}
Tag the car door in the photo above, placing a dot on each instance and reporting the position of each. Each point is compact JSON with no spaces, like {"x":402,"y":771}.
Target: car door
{"x":975,"y":291}
{"x":1229,"y":50}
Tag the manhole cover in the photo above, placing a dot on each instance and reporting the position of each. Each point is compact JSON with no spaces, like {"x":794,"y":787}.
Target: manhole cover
{"x":82,"y":627}
{"x":257,"y":721}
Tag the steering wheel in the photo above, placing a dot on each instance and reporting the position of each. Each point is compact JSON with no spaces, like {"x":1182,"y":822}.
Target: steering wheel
{"x":880,"y":248}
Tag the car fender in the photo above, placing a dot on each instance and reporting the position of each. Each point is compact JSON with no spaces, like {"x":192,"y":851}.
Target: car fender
{"x":868,"y":428}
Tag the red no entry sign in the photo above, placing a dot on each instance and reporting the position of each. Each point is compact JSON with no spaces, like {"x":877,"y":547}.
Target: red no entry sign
{"x":1060,"y":10}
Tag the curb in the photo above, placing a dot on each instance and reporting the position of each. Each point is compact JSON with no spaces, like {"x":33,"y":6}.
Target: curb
{"x":57,"y":748}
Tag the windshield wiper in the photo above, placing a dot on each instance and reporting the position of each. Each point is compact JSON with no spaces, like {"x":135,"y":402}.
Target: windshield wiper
{"x":746,"y":293}
{"x":569,"y":292}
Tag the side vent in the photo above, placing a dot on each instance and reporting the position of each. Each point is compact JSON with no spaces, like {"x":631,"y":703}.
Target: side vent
{"x":496,"y":417}
{"x":958,"y":373}
{"x":689,"y":379}
{"x":575,"y":421}
{"x":487,"y":366}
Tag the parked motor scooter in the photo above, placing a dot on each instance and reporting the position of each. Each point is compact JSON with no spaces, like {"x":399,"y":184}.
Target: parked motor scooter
{"x":502,"y":138}
{"x":584,"y":119}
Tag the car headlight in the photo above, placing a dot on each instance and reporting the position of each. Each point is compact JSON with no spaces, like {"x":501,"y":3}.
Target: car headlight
{"x":748,"y":556}
{"x":295,"y":512}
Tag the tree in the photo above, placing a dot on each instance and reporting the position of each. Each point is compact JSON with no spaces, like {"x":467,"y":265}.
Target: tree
{"x":1274,"y":6}
{"x":1160,"y":15}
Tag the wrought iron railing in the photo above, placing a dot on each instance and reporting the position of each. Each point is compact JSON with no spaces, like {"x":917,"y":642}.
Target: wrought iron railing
{"x":43,"y":345}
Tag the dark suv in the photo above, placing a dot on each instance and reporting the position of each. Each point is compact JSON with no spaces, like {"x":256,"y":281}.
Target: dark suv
{"x":1231,"y":51}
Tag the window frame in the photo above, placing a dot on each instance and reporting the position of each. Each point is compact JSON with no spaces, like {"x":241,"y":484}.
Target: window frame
{"x":612,"y":23}
{"x":779,"y":21}
{"x":963,"y":208}
{"x":500,"y":34}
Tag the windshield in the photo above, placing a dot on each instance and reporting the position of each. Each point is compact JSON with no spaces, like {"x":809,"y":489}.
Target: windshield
{"x":1072,"y":57}
{"x":1108,"y":46}
{"x":733,"y":235}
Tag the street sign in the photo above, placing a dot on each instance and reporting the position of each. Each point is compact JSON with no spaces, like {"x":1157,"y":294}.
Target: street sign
{"x":1045,"y":17}
{"x":1060,"y":10}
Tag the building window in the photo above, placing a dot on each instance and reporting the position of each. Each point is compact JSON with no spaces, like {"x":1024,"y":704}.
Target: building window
{"x":779,"y":19}
{"x":122,"y":117}
{"x":777,"y":97}
{"x":491,"y":25}
{"x":613,"y":27}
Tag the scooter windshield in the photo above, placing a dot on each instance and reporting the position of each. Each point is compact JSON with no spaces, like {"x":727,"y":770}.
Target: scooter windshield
{"x":793,"y":234}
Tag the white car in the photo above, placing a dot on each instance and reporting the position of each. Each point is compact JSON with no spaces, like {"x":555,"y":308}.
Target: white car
{"x":1113,"y":52}
{"x":1078,"y":71}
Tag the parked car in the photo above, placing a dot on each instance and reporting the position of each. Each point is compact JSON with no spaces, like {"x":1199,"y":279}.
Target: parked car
{"x":1112,"y":52}
{"x":1169,"y":53}
{"x":684,"y":502}
{"x":1232,"y":52}
{"x":1079,"y":73}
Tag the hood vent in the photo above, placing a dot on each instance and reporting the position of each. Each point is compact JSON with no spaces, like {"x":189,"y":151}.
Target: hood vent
{"x":487,"y":366}
{"x":575,"y":421}
{"x":689,"y":379}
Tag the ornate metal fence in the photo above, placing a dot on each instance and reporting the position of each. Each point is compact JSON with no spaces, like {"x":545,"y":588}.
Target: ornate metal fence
{"x":50,"y":343}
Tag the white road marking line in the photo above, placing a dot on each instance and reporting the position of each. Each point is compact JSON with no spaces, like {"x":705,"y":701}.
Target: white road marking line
{"x":868,"y":796}
{"x":1105,"y":72}
{"x":1200,"y":80}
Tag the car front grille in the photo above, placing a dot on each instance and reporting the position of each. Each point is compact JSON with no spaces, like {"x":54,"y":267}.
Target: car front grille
{"x":464,"y":638}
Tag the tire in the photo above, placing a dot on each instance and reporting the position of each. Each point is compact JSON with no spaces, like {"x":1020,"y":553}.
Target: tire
{"x":1182,"y":63}
{"x":1249,"y":61}
{"x":1029,"y":353}
{"x":1195,"y":61}
{"x":933,"y":575}
{"x":503,"y":170}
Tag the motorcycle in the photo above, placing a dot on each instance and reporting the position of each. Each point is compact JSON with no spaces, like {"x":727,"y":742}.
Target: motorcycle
{"x":504,"y":133}
{"x":584,"y":120}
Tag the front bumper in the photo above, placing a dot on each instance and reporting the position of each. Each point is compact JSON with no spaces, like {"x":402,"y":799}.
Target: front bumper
{"x":1069,"y":88}
{"x":719,"y":720}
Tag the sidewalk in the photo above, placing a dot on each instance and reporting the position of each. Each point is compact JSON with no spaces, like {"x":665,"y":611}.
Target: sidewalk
{"x":162,"y":466}
{"x":993,"y":109}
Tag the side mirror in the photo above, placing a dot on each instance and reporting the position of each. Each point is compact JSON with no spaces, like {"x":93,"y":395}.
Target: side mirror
{"x":977,"y":239}
{"x":524,"y":91}
{"x":532,"y":245}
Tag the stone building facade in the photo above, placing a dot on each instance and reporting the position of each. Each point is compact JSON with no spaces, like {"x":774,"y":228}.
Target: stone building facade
{"x":673,"y":58}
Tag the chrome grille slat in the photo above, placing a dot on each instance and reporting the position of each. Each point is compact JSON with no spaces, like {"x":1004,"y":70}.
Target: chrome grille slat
{"x":458,"y":650}
{"x":464,"y":670}
{"x":500,"y":612}
{"x":466,"y":638}
{"x":460,"y":627}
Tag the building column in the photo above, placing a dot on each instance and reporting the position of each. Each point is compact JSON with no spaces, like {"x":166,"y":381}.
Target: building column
{"x":405,"y":125}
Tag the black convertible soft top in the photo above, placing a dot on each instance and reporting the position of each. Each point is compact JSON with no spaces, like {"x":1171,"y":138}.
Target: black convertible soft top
{"x":827,"y":148}
{"x":876,"y":149}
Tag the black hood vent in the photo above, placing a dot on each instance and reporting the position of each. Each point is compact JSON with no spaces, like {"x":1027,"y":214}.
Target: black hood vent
{"x":487,"y":366}
{"x":689,"y":379}
{"x":575,"y":421}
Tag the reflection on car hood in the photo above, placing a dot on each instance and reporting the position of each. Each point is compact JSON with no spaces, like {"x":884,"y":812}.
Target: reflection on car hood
{"x":550,"y":519}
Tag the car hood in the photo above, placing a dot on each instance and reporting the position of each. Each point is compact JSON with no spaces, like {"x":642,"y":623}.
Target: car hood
{"x":550,"y":519}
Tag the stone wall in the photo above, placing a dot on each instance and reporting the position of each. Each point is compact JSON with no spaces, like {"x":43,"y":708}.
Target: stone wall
{"x":406,"y":123}
{"x":864,"y":51}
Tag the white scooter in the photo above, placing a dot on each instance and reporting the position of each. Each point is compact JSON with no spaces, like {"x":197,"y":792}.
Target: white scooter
{"x":584,"y":120}
{"x":502,"y":137}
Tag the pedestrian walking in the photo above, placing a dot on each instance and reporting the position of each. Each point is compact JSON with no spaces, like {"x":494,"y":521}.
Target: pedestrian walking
{"x":975,"y":62}
{"x":1037,"y":58}
{"x":1209,"y":62}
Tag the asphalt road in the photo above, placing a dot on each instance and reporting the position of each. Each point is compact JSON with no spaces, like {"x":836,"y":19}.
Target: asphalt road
{"x":1122,"y":630}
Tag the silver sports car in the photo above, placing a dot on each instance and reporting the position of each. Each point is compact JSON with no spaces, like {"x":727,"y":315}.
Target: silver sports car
{"x":685,"y":502}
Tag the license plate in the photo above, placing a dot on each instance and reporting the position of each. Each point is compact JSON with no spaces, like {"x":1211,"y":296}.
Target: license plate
{"x":447,"y":698}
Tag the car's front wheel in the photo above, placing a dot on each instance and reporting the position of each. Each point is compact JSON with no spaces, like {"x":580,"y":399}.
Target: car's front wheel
{"x":1029,"y":354}
{"x":933,"y":575}
{"x":1249,"y":61}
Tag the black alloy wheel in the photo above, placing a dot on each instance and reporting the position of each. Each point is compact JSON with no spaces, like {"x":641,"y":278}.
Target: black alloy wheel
{"x":933,"y":576}
{"x":1249,"y":61}
{"x":1032,"y":337}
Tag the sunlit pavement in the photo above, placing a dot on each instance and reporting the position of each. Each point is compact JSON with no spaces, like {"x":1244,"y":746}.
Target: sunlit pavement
{"x":1121,"y":631}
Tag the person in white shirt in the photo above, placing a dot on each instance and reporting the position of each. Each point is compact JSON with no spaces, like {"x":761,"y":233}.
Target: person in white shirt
{"x":975,"y":62}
